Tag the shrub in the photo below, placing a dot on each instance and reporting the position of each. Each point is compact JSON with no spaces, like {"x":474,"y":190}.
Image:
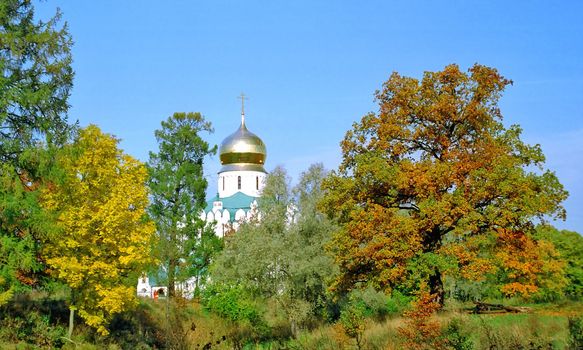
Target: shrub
{"x":33,"y":322}
{"x":576,"y":332}
{"x":352,"y":321}
{"x":455,"y":337}
{"x":233,"y":303}
{"x":397,"y":303}
{"x":230,"y":303}
{"x":379,"y":305}
{"x":422,"y":331}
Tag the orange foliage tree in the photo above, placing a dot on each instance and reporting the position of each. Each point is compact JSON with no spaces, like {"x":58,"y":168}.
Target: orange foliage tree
{"x":528,"y":265}
{"x":433,"y":183}
{"x":421,"y":331}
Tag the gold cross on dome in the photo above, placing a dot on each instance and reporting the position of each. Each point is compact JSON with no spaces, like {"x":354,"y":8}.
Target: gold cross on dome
{"x":243,"y":98}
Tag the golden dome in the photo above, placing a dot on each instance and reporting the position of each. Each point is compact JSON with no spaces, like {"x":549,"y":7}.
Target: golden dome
{"x":242,"y":150}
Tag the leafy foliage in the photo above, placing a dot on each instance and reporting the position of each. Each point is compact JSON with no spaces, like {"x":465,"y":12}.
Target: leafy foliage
{"x":433,"y":183}
{"x":178,"y":190}
{"x":36,"y":79}
{"x":232,"y":303}
{"x":421,"y":330}
{"x":281,"y":257}
{"x":104,"y":239}
{"x":569,"y":246}
{"x":455,"y":337}
{"x":353,"y":322}
{"x":32,"y":328}
{"x":530,"y":267}
{"x":576,"y":332}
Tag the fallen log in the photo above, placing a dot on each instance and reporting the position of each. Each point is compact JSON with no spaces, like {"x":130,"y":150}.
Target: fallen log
{"x":485,"y":308}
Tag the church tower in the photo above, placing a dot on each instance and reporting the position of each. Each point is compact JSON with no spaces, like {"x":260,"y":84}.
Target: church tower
{"x":240,"y":180}
{"x":242,"y":156}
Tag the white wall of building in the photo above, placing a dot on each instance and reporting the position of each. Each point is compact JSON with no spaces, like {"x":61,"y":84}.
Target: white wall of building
{"x":221,"y":218}
{"x":252,"y":183}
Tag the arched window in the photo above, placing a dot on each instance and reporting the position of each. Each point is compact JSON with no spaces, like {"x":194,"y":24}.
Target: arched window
{"x":257,"y":183}
{"x":238,"y":182}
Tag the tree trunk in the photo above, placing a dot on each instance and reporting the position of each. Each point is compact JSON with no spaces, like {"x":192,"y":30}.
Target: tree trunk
{"x":71,"y":321}
{"x":171,"y":278}
{"x":431,"y":243}
{"x":436,"y":287}
{"x":293,"y":328}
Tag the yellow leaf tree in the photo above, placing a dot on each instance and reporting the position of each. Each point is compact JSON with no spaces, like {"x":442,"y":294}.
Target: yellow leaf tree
{"x":105,"y":238}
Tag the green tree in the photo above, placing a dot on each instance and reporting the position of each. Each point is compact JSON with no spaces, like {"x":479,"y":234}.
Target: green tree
{"x":434,"y":183}
{"x":253,"y":255}
{"x":280,"y":255}
{"x":311,"y":267}
{"x":569,"y":245}
{"x":202,"y":251}
{"x":104,"y":239}
{"x":178,"y":187}
{"x":35,"y":62}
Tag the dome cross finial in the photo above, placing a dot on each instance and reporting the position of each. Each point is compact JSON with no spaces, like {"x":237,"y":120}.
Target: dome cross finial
{"x":243,"y":98}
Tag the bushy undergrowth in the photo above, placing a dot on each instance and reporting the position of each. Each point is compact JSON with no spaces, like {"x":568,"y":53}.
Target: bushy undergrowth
{"x":576,"y":332}
{"x":183,"y":324}
{"x":30,"y":321}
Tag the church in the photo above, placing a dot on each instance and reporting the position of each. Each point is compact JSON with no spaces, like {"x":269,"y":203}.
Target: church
{"x":240,"y":183}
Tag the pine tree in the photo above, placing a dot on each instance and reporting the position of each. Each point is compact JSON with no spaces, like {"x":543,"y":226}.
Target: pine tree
{"x":178,"y":187}
{"x":35,"y":62}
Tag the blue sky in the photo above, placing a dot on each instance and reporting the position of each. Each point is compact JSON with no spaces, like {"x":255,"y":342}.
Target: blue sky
{"x":310,"y":69}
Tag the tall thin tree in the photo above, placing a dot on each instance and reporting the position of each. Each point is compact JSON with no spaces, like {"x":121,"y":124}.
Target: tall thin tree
{"x":178,"y":187}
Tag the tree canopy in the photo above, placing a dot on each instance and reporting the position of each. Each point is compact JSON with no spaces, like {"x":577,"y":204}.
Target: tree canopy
{"x":104,"y":239}
{"x":569,"y":245}
{"x":434,"y":184}
{"x":37,"y":77}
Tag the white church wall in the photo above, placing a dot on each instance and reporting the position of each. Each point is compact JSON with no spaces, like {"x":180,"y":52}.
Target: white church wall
{"x":144,"y":289}
{"x":218,"y":229}
{"x":252,"y":183}
{"x":240,"y":215}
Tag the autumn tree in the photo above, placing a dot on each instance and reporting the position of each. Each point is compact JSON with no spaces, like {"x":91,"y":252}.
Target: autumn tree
{"x":178,"y":187}
{"x":36,"y":79}
{"x":434,"y":184}
{"x":104,"y":240}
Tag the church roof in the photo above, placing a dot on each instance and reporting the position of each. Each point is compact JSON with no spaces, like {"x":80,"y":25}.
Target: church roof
{"x":233,"y":203}
{"x":242,"y":150}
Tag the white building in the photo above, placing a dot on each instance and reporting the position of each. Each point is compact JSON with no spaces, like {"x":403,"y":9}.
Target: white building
{"x":240,"y":181}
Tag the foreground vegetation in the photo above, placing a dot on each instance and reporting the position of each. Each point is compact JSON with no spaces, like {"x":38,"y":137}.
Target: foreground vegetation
{"x":38,"y":323}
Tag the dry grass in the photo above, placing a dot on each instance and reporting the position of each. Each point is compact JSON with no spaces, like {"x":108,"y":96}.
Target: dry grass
{"x":542,"y":329}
